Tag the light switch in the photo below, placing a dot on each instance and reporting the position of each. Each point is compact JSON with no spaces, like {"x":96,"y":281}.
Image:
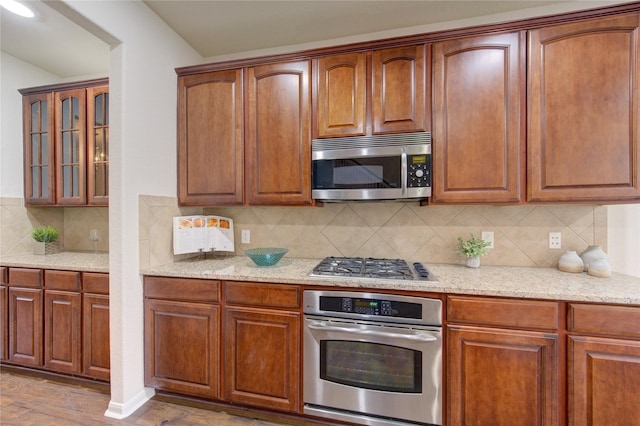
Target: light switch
{"x":246,"y":236}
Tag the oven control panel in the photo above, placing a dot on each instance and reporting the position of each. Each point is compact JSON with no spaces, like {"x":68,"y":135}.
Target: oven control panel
{"x":370,"y":306}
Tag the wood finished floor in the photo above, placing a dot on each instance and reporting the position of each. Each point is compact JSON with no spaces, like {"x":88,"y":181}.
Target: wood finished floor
{"x":27,"y":400}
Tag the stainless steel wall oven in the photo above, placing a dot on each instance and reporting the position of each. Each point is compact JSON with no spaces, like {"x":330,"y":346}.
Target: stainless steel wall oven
{"x":373,"y":359}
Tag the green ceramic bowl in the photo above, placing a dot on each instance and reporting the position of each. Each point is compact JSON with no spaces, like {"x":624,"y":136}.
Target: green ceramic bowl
{"x":266,"y":256}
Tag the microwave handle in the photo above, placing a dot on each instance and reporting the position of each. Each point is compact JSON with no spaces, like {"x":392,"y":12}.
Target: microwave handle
{"x":374,"y":333}
{"x":403,"y":171}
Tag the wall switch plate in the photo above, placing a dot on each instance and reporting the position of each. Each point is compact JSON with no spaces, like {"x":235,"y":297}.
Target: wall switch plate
{"x":555,"y":240}
{"x":488,"y":236}
{"x":246,"y":236}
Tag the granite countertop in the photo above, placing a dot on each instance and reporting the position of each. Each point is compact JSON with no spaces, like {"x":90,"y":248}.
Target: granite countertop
{"x":505,"y":281}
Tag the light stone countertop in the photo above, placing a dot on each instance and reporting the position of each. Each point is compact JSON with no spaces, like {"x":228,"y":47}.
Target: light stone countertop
{"x":505,"y":281}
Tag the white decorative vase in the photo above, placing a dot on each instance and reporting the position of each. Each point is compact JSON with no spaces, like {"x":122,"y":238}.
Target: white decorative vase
{"x":599,"y":268}
{"x":570,"y":262}
{"x":473,"y":262}
{"x":592,"y":253}
{"x":43,"y":249}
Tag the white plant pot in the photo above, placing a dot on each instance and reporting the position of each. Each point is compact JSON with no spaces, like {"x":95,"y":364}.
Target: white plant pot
{"x":43,"y":249}
{"x":473,"y":262}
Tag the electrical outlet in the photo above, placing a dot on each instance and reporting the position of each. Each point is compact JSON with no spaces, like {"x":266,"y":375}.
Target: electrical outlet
{"x":555,"y":240}
{"x":488,"y":236}
{"x":246,"y":236}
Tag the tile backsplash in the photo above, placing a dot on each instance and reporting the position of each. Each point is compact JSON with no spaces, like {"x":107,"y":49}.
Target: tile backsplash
{"x":74,"y":224}
{"x":392,"y":230}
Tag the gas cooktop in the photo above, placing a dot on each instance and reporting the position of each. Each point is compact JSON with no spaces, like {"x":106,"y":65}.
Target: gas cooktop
{"x":369,"y":267}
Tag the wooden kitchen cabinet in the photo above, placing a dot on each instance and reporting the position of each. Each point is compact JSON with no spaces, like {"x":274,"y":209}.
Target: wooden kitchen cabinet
{"x":584,"y":111}
{"x":500,"y":373}
{"x":62,"y":322}
{"x":364,"y":93}
{"x":262,"y":345}
{"x":98,"y":145}
{"x":479,"y":119}
{"x":603,"y":364}
{"x":4,"y":316}
{"x":25,"y":316}
{"x":58,"y":163}
{"x":96,"y":352}
{"x":278,"y":134}
{"x":211,"y":138}
{"x":182,"y":336}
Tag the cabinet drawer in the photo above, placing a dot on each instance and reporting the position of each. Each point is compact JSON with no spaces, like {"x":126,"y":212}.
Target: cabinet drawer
{"x":3,"y":275}
{"x":25,"y":277}
{"x":262,"y":294}
{"x":620,"y":321}
{"x":62,"y":280}
{"x":530,"y":314}
{"x":190,"y":289}
{"x":94,"y":282}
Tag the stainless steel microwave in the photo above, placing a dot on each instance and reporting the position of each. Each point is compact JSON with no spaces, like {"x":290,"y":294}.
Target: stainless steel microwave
{"x":382,"y":167}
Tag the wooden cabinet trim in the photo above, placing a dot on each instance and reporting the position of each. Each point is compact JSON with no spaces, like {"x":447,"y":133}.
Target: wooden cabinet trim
{"x":184,"y":289}
{"x":62,"y":280}
{"x":262,"y":294}
{"x":513,"y":313}
{"x":23,"y":277}
{"x":95,"y":282}
{"x":604,"y":320}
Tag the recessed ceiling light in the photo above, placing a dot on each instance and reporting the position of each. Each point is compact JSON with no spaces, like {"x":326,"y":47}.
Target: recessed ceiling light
{"x":17,"y":8}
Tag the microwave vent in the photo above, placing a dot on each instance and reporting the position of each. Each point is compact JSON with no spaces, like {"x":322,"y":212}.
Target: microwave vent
{"x":402,"y":139}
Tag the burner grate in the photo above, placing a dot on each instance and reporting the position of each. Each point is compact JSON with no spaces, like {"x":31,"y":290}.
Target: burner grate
{"x":364,"y":268}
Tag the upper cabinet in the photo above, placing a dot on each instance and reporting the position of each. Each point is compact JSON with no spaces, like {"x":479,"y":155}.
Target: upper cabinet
{"x":376,"y":92}
{"x":278,"y":145}
{"x":584,"y":115}
{"x":265,"y":160}
{"x":66,"y":144}
{"x":478,"y":119}
{"x":211,"y":138}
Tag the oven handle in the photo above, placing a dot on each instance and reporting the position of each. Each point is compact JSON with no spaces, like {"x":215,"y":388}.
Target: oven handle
{"x":423,"y":337}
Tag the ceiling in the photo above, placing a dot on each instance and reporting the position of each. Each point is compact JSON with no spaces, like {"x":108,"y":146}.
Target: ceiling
{"x":217,"y":28}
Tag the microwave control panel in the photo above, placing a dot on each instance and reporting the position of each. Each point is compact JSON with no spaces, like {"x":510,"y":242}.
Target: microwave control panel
{"x":418,"y":171}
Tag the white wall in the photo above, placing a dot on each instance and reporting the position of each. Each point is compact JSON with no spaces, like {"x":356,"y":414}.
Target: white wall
{"x":15,"y":75}
{"x":143,"y":87}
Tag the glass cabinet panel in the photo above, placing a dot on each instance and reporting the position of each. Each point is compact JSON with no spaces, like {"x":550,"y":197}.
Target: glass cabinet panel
{"x":71,"y":163}
{"x":98,"y":144}
{"x":38,"y":155}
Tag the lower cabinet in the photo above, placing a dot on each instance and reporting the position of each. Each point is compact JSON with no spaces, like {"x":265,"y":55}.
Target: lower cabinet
{"x":54,"y":325}
{"x":4,"y":318}
{"x":497,"y":375}
{"x":182,"y":336}
{"x":603,"y":365}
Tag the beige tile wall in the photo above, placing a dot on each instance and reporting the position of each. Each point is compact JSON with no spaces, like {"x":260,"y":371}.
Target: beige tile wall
{"x":415,"y":233}
{"x":74,"y":223}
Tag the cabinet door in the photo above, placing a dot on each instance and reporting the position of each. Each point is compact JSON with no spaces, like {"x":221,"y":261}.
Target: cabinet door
{"x":584,"y":114}
{"x":278,"y":166}
{"x":98,"y":145}
{"x":4,"y":322}
{"x":25,"y":326}
{"x":342,"y":87}
{"x":604,"y":376}
{"x":262,"y":358}
{"x":62,"y":332}
{"x":478,"y":119}
{"x":210,"y":139}
{"x":498,"y":377}
{"x":39,"y":149}
{"x":71,"y":147}
{"x":182,"y":343}
{"x":95,"y":336}
{"x":398,"y":89}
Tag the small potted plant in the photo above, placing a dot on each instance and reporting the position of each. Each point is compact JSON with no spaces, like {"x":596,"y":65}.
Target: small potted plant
{"x":46,"y":238}
{"x":473,"y":248}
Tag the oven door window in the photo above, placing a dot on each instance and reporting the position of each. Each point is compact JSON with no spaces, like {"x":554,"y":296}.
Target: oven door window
{"x":358,"y":173}
{"x":371,"y":366}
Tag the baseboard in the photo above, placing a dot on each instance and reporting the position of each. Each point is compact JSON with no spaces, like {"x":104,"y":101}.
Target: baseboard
{"x":120,"y":411}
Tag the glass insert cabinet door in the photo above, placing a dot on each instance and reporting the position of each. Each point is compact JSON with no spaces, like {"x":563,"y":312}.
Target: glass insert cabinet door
{"x":98,"y":145}
{"x":70,"y":146}
{"x":39,"y":152}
